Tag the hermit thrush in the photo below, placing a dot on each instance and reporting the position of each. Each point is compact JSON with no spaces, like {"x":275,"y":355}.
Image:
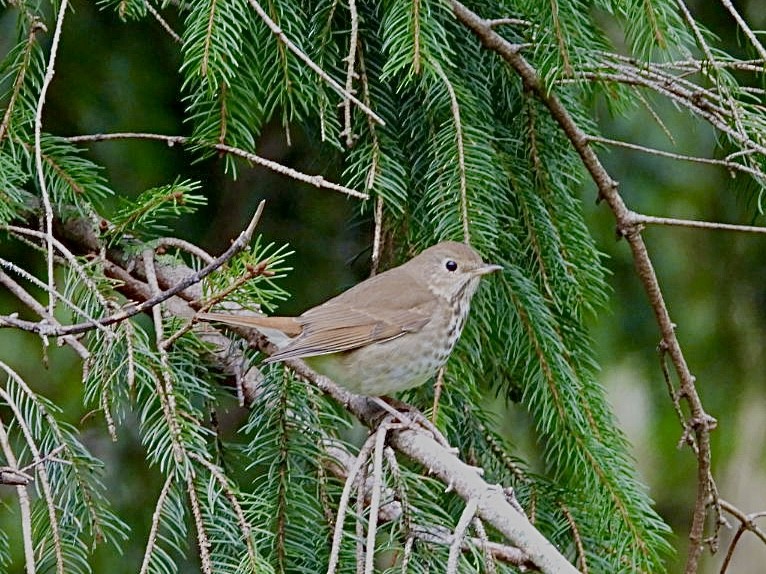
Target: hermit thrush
{"x":388,"y":333}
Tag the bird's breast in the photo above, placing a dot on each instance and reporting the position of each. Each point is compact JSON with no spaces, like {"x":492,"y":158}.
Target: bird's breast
{"x":399,"y":363}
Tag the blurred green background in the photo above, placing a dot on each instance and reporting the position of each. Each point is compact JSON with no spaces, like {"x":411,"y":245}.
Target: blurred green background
{"x":714,"y":282}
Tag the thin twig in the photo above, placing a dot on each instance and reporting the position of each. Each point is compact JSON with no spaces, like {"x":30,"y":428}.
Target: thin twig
{"x":361,"y":497}
{"x":198,"y":252}
{"x":40,"y":309}
{"x":372,"y":171}
{"x":315,"y":180}
{"x":377,"y":236}
{"x":489,"y":559}
{"x":51,"y":456}
{"x":655,"y":116}
{"x":66,"y":253}
{"x":377,"y":480}
{"x":163,"y":23}
{"x":730,"y":165}
{"x":747,"y":519}
{"x":353,"y":46}
{"x":166,"y":393}
{"x":91,"y":321}
{"x":509,"y":22}
{"x":577,"y":539}
{"x":151,"y":540}
{"x":455,"y":107}
{"x":203,"y":541}
{"x":438,"y":388}
{"x":407,"y":552}
{"x":745,"y":28}
{"x":416,"y":36}
{"x":560,"y":37}
{"x":50,"y":70}
{"x":361,"y":459}
{"x":24,"y":506}
{"x":687,"y":437}
{"x":499,"y":552}
{"x":277,"y":31}
{"x":696,"y":29}
{"x":457,"y":537}
{"x":641,"y":219}
{"x":732,"y":546}
{"x":235,"y":505}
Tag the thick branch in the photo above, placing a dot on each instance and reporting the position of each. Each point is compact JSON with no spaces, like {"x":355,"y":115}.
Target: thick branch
{"x":420,"y":446}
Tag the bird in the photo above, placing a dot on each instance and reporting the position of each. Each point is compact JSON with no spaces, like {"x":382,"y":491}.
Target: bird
{"x":390,"y":332}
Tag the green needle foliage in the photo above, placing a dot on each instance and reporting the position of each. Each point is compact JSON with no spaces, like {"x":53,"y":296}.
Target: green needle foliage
{"x":466,"y":152}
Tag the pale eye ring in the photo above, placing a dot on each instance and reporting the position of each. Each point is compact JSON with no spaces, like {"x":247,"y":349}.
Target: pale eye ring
{"x":450,"y":265}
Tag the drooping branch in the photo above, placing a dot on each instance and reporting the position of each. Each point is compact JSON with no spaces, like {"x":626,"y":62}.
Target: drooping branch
{"x":315,"y":180}
{"x":702,"y":423}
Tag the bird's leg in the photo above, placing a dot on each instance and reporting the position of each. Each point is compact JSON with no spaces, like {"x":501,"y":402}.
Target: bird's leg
{"x":397,"y":408}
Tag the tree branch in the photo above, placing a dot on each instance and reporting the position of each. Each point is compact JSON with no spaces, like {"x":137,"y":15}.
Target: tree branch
{"x":423,"y":448}
{"x":192,"y":279}
{"x":626,"y":227}
{"x":315,"y":180}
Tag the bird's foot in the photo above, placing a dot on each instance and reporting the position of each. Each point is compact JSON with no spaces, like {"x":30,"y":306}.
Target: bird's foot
{"x":411,"y":417}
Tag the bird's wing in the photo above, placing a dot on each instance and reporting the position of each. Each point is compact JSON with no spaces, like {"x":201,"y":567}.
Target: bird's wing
{"x":350,"y":321}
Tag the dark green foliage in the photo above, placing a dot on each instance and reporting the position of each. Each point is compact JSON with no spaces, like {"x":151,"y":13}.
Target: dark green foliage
{"x":286,"y":452}
{"x":149,"y":214}
{"x":466,"y":153}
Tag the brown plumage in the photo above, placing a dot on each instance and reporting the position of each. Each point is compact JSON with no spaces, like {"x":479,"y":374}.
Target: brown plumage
{"x":389,"y":332}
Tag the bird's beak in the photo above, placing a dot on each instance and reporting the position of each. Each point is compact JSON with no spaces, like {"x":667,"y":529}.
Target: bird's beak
{"x":484,"y":269}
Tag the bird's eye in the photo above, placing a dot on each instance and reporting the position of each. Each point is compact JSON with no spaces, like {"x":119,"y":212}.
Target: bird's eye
{"x":450,"y":265}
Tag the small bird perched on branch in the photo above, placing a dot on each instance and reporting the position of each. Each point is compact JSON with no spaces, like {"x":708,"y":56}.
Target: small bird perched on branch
{"x":390,"y":332}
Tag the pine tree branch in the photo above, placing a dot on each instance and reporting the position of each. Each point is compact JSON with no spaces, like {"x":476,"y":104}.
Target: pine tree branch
{"x":35,"y":27}
{"x":192,"y":279}
{"x":42,"y":473}
{"x":702,"y":423}
{"x":27,"y":299}
{"x":704,"y":103}
{"x":353,"y":46}
{"x":730,"y":165}
{"x":455,"y":109}
{"x":315,"y":180}
{"x":277,"y":31}
{"x":152,"y":538}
